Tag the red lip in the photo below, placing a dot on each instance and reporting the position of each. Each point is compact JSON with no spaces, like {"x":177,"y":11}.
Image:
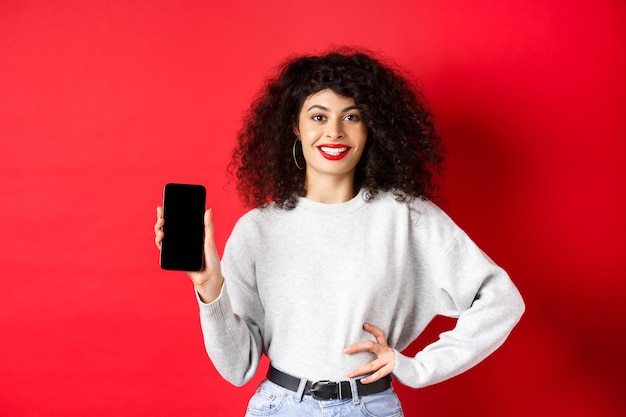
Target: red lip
{"x":329,"y":151}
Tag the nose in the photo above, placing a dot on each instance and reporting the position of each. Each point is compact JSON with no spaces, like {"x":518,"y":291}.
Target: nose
{"x":334,"y":129}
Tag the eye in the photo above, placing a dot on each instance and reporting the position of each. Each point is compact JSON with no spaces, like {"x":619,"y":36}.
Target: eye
{"x":318,"y":118}
{"x":352,"y":117}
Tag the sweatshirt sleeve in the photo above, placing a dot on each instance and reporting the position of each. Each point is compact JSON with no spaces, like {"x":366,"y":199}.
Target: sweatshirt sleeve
{"x":487,"y":305}
{"x":232,"y":324}
{"x":233,"y":345}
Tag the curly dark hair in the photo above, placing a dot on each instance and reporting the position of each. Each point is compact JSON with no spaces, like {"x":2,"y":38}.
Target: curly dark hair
{"x":402,"y":154}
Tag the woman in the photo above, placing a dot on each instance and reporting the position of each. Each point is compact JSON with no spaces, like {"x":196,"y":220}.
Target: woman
{"x":343,"y":260}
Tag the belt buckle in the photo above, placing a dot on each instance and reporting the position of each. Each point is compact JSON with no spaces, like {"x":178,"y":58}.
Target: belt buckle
{"x":326,"y":390}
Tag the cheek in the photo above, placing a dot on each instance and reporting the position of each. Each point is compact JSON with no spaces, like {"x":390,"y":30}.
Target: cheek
{"x":309,"y":135}
{"x":362,"y":145}
{"x":307,"y":147}
{"x":362,"y":135}
{"x":359,"y":133}
{"x":359,"y":154}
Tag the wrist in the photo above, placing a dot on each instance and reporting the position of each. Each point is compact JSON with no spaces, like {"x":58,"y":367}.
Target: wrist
{"x":210,"y":289}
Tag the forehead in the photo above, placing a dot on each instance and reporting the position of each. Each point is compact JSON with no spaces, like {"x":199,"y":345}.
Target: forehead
{"x":329,"y":99}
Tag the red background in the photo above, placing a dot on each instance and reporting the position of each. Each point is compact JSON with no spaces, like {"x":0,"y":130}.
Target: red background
{"x":103,"y":102}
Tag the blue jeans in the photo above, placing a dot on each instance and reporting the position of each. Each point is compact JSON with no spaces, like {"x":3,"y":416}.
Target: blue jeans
{"x":273,"y":400}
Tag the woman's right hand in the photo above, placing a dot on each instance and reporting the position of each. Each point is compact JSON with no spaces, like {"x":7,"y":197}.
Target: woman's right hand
{"x":209,"y":280}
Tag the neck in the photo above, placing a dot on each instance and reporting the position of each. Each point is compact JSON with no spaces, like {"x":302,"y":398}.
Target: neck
{"x":330,"y":190}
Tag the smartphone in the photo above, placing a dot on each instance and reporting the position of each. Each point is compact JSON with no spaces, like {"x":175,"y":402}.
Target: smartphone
{"x":182,"y":247}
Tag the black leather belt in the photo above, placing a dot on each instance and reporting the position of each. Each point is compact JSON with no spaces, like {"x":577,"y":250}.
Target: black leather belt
{"x":327,"y":390}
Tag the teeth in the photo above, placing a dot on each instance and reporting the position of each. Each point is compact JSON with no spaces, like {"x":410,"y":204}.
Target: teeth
{"x":333,"y":151}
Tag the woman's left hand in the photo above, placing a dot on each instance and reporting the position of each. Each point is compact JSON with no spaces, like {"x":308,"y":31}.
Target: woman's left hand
{"x":380,"y":367}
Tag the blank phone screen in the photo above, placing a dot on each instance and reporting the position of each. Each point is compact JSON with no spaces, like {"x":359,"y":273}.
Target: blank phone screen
{"x":183,"y":211}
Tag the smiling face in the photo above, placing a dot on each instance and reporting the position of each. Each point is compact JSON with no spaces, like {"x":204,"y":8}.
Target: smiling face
{"x":333,"y":136}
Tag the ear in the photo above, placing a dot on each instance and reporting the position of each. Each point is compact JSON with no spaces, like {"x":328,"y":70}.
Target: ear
{"x":295,"y":129}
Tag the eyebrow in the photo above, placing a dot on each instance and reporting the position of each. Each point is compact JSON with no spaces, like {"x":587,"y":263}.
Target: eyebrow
{"x":319,"y":106}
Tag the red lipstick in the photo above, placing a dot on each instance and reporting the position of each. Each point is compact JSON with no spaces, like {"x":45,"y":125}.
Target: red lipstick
{"x":334,"y":152}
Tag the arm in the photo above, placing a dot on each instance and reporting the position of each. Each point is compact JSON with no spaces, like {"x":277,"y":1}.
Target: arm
{"x":232,"y":343}
{"x":232,"y":322}
{"x":487,"y":305}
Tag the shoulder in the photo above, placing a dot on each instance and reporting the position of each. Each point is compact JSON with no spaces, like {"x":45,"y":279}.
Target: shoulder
{"x":420,"y":210}
{"x":244,"y":237}
{"x":427,"y":222}
{"x":250,"y":220}
{"x":252,"y":223}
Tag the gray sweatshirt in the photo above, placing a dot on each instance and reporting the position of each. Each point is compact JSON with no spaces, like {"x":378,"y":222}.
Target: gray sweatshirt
{"x":300,"y":284}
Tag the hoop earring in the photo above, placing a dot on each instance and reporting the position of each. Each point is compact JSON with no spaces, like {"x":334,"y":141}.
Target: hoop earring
{"x":293,"y":152}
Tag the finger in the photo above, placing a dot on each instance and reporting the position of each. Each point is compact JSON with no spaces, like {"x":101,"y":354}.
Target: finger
{"x":374,"y":370}
{"x":158,"y":225}
{"x":367,"y":346}
{"x":159,"y":219}
{"x":366,"y":369}
{"x":378,"y":368}
{"x":379,"y":374}
{"x":209,"y":229}
{"x":378,"y":333}
{"x":158,"y":239}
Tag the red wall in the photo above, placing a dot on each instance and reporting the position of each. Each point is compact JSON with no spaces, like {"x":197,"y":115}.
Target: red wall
{"x":103,"y":102}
